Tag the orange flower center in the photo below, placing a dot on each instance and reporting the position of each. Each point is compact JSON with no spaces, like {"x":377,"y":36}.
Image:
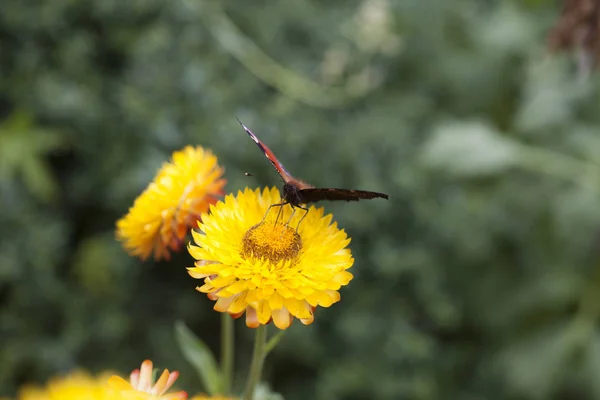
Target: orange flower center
{"x":273,"y":242}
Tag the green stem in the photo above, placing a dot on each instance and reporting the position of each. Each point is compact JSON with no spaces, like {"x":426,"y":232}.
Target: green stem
{"x":258,"y":356}
{"x":274,"y":341}
{"x":227,"y":345}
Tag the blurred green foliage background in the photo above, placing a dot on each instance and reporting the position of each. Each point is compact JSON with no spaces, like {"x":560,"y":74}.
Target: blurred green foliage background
{"x":479,"y":279}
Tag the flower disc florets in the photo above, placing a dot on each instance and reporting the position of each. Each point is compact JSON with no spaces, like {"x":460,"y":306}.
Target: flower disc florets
{"x":272,"y":242}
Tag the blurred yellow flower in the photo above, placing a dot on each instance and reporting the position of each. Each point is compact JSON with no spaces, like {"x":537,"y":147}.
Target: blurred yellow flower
{"x":75,"y":386}
{"x":206,"y":397}
{"x":164,"y":213}
{"x":266,"y":268}
{"x":141,"y":387}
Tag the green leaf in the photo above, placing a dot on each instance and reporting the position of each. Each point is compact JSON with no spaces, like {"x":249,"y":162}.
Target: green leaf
{"x":200,"y":356}
{"x":23,"y":149}
{"x":469,"y":149}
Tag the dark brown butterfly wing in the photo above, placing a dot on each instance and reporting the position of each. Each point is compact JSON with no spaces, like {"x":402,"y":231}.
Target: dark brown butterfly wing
{"x":312,"y":195}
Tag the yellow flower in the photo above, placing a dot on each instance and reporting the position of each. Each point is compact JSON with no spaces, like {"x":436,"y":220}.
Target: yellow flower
{"x":270,"y":271}
{"x":206,"y":397}
{"x":141,"y":387}
{"x":75,"y":386}
{"x":164,"y":213}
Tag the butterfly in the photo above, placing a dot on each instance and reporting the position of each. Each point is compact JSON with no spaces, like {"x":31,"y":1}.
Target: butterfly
{"x":297,"y":192}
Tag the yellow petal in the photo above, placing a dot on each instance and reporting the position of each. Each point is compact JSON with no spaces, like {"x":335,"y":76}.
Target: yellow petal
{"x":281,"y":318}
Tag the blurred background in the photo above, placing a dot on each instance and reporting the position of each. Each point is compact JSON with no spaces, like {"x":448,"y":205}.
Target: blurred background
{"x":479,"y":279}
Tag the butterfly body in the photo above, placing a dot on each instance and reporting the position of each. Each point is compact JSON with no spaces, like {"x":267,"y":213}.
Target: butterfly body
{"x":296,"y":192}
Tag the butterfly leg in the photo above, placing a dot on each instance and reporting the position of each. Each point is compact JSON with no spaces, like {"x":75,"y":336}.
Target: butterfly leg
{"x":305,"y":212}
{"x":279,"y":212}
{"x":280,"y":205}
{"x":291,"y":216}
